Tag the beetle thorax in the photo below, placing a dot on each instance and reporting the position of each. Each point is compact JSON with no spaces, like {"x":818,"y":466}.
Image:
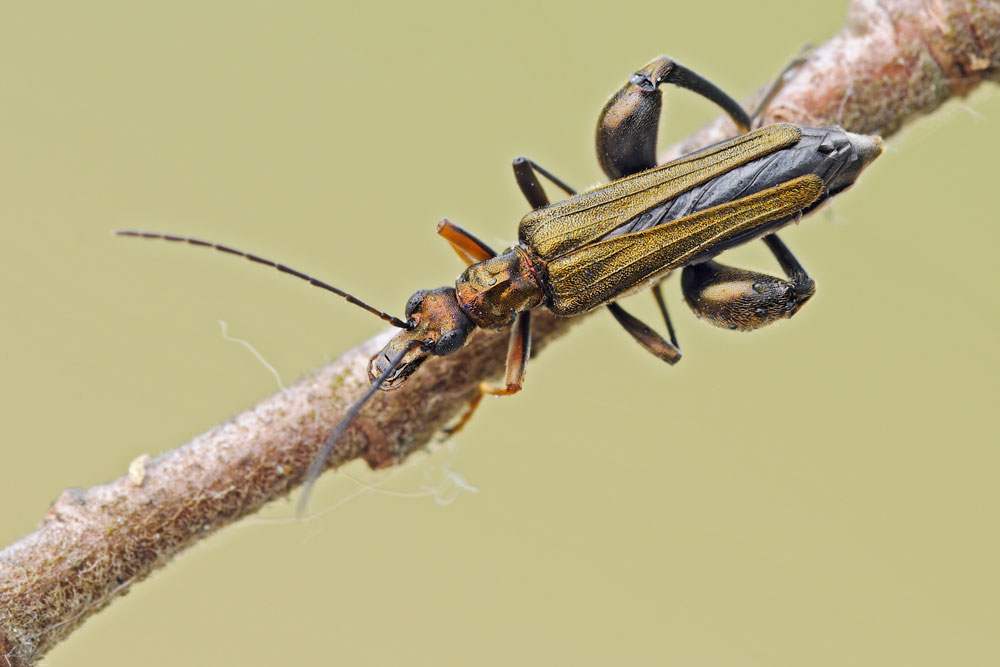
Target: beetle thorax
{"x":493,"y":291}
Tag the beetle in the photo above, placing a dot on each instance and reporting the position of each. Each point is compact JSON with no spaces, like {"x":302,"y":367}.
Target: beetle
{"x":607,"y":242}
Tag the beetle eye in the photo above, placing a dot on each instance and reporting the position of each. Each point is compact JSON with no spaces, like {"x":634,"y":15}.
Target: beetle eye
{"x":452,"y":341}
{"x":414,"y":303}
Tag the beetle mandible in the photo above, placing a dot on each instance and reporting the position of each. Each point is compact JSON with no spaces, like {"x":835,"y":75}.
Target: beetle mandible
{"x":599,"y":245}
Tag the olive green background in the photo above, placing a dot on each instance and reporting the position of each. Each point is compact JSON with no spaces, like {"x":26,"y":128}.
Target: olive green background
{"x":821,"y":493}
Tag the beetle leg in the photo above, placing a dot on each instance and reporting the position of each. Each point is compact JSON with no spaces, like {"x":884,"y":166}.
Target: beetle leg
{"x":518,"y":352}
{"x":744,"y":300}
{"x":452,"y":429}
{"x":526,"y":173}
{"x":468,"y":247}
{"x":779,"y":83}
{"x":789,"y":264}
{"x":649,"y":339}
{"x":627,"y":126}
{"x":658,"y":295}
{"x":517,"y":359}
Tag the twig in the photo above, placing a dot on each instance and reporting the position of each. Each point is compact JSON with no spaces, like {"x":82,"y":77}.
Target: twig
{"x":895,"y":60}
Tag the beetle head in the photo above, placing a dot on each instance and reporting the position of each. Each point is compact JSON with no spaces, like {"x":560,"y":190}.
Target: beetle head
{"x":435,"y":325}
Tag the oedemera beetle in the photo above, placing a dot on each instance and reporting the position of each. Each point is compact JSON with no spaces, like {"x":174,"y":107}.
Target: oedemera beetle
{"x":601,"y":244}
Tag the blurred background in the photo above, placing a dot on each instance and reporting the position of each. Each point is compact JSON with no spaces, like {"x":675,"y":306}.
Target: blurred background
{"x":822,"y":493}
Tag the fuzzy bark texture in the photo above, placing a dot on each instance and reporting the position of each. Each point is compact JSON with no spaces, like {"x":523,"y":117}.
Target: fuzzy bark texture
{"x":893,"y":61}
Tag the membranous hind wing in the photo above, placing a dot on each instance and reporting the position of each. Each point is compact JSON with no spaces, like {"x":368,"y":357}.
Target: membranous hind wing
{"x":554,"y":230}
{"x":595,"y":274}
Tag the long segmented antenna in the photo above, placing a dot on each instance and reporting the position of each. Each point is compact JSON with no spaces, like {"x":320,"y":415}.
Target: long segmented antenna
{"x":318,"y":463}
{"x":394,"y":321}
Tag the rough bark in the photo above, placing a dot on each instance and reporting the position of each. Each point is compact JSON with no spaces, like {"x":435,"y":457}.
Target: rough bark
{"x":893,"y":61}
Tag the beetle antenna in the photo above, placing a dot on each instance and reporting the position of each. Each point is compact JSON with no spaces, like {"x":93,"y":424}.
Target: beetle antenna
{"x":394,"y":321}
{"x":318,"y":463}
